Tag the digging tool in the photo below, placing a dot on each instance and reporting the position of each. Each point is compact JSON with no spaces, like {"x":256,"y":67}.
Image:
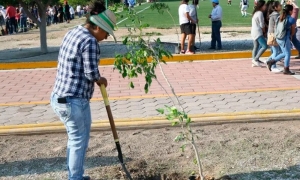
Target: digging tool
{"x":199,"y":35}
{"x":113,"y":129}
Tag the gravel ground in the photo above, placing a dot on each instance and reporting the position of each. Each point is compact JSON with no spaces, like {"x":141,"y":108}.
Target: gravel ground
{"x":253,"y":151}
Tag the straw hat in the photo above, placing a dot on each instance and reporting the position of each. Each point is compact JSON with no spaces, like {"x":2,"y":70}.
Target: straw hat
{"x":106,"y":21}
{"x":298,"y":23}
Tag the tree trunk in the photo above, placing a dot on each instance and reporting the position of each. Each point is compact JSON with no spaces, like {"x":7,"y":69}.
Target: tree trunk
{"x":42,"y":24}
{"x":43,"y":34}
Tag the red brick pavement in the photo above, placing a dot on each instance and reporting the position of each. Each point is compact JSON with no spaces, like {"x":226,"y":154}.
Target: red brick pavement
{"x":205,"y":76}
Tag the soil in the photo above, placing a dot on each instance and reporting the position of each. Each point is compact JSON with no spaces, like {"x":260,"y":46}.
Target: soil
{"x":244,"y":151}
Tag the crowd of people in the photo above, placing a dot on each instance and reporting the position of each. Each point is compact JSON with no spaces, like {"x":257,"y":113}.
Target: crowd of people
{"x":15,"y":19}
{"x":188,"y":21}
{"x":274,"y":24}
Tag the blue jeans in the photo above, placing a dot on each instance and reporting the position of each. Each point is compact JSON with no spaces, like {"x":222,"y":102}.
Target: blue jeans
{"x":275,"y":51}
{"x":215,"y":34}
{"x":296,"y":43}
{"x":285,"y":46}
{"x":259,"y":42}
{"x":23,"y":24}
{"x":76,"y":116}
{"x":12,"y":25}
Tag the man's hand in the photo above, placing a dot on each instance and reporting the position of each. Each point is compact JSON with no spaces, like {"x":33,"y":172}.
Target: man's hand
{"x":209,"y":16}
{"x":101,"y":81}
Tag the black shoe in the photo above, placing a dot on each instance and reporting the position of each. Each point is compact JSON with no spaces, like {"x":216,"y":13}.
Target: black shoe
{"x":219,"y":48}
{"x":196,"y":48}
{"x":211,"y":48}
{"x":86,"y":178}
{"x":270,"y":64}
{"x":260,"y":62}
{"x":287,"y":71}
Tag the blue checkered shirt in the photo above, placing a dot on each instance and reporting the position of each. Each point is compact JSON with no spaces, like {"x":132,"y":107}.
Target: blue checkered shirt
{"x":77,"y":68}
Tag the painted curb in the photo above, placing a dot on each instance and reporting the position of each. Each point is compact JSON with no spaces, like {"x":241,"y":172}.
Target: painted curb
{"x":175,"y":58}
{"x":157,"y":122}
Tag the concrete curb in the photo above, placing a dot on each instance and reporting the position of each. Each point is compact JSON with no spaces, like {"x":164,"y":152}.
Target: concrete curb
{"x":176,"y":58}
{"x":156,"y":122}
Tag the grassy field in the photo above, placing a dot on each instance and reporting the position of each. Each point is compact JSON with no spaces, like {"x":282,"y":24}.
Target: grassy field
{"x":231,"y":15}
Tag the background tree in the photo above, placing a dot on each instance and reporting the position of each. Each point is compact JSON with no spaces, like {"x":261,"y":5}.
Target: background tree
{"x":74,"y":3}
{"x":42,"y":9}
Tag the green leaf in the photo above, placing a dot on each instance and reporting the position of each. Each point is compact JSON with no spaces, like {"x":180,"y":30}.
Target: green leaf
{"x":146,"y":88}
{"x":131,"y":85}
{"x":175,"y":123}
{"x":195,"y":161}
{"x":181,"y":119}
{"x":125,"y":40}
{"x":188,"y":121}
{"x":139,"y":70}
{"x":160,"y":110}
{"x":170,"y":117}
{"x":178,"y":138}
{"x":183,"y":147}
{"x":124,"y":74}
{"x":185,"y":116}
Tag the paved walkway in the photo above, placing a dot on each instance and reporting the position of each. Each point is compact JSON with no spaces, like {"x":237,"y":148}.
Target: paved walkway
{"x":205,"y":87}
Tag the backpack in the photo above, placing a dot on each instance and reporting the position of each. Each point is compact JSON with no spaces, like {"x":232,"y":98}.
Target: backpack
{"x":280,"y":28}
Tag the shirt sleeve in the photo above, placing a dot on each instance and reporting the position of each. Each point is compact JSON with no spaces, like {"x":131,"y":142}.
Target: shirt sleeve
{"x":291,"y":21}
{"x":261,"y":20}
{"x":90,"y":56}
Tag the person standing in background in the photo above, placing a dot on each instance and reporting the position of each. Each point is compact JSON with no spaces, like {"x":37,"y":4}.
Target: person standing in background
{"x":78,"y":10}
{"x":194,"y":16}
{"x":72,"y":13}
{"x":216,"y":24}
{"x":66,"y":10}
{"x":11,"y":17}
{"x":55,"y":18}
{"x":185,"y":21}
{"x":23,"y":20}
{"x":244,"y":4}
{"x":60,"y":14}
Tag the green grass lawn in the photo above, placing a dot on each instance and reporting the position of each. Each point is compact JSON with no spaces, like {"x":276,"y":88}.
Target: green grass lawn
{"x":231,"y":15}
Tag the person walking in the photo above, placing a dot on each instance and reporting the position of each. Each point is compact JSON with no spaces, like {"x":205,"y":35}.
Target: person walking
{"x":294,"y":15}
{"x":285,"y":28}
{"x":258,"y":33}
{"x":194,"y":15}
{"x":273,"y":16}
{"x":11,"y":18}
{"x":244,"y":4}
{"x":185,"y":21}
{"x":77,"y":73}
{"x":216,"y":20}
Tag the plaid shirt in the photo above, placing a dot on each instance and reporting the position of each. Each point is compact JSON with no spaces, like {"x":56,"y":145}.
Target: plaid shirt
{"x":77,"y":68}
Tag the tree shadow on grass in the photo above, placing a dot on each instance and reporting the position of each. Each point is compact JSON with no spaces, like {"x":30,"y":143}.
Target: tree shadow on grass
{"x":55,"y":164}
{"x":290,"y":173}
